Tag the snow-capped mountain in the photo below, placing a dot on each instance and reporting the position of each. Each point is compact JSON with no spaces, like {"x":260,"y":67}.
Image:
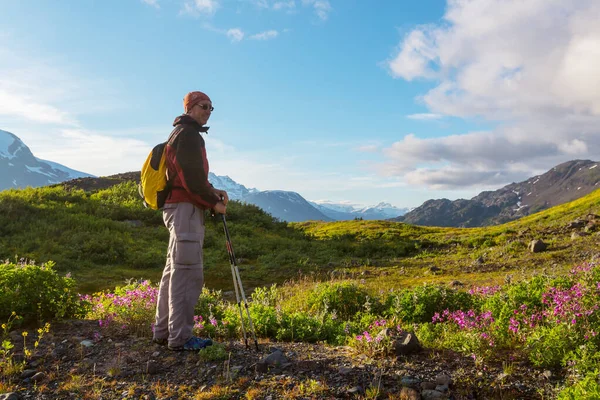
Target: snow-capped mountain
{"x":235,"y":191}
{"x":20,"y":168}
{"x":381,"y":211}
{"x":345,"y":211}
{"x":287,"y":206}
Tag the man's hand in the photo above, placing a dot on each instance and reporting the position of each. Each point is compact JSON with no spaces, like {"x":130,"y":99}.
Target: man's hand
{"x":221,"y":208}
{"x":222,"y":195}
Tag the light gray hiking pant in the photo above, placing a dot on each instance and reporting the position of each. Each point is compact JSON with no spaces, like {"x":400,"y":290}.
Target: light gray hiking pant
{"x":183,"y":276}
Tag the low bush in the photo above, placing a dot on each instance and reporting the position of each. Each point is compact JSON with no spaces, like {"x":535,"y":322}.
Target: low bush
{"x":36,"y":293}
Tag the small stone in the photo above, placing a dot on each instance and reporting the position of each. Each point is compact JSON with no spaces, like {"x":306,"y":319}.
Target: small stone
{"x":355,"y":390}
{"x":442,"y":388}
{"x":345,"y":370}
{"x":40,"y":376}
{"x":87,"y":343}
{"x":432,"y":394}
{"x":28,"y":373}
{"x":443,"y":379}
{"x":276,"y":358}
{"x":428,"y":385}
{"x":152,"y":367}
{"x":410,"y":381}
{"x":156,"y":354}
{"x":9,"y":396}
{"x":536,"y":246}
{"x":406,"y":343}
{"x":262,"y":367}
{"x":547,"y":374}
{"x":576,"y":235}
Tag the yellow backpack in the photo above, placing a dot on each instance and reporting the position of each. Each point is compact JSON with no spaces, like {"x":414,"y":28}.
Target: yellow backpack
{"x":154,"y":186}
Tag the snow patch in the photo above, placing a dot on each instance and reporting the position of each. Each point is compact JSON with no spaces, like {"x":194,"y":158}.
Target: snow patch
{"x":39,"y":170}
{"x":593,"y":166}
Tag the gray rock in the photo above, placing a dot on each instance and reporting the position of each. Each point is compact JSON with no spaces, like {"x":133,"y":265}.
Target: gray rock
{"x":434,"y":270}
{"x":576,"y":224}
{"x":276,"y":358}
{"x":432,"y":394}
{"x":428,"y":385}
{"x":590,"y":227}
{"x":576,"y":235}
{"x":442,"y":388}
{"x":409,"y":381}
{"x":355,"y":390}
{"x":406,"y":343}
{"x":443,"y":379}
{"x":40,"y":376}
{"x":262,"y":367}
{"x":152,"y":367}
{"x":537,"y":246}
{"x":344,"y":370}
{"x":9,"y":396}
{"x":28,"y":373}
{"x":87,"y":343}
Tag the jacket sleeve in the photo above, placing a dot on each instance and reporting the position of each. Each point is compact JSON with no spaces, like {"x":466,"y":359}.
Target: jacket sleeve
{"x":193,"y":168}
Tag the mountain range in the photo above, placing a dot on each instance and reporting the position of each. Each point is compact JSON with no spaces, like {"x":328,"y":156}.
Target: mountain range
{"x":561,"y":184}
{"x":564,"y":183}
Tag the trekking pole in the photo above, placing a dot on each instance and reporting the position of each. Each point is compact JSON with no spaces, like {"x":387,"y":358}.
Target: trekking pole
{"x":239,"y":289}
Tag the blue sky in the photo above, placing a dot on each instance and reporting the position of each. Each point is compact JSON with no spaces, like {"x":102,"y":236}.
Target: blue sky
{"x":353,"y":101}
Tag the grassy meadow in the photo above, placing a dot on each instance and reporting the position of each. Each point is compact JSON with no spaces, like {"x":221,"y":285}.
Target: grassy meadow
{"x":478,"y":291}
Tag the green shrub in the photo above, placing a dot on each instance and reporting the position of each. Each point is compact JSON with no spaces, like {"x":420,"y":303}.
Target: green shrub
{"x":587,"y":388}
{"x":344,"y":299}
{"x":216,"y":352}
{"x":548,"y":346}
{"x":37,"y":293}
{"x":421,"y":303}
{"x":211,"y":304}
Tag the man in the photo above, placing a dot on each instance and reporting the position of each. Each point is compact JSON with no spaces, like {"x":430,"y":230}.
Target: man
{"x":183,"y":214}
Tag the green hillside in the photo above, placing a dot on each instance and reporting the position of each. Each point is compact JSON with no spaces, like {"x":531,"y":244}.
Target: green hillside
{"x":479,"y":295}
{"x":107,"y":236}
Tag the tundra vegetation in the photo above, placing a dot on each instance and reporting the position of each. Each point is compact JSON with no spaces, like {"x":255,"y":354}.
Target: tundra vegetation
{"x":477,"y":291}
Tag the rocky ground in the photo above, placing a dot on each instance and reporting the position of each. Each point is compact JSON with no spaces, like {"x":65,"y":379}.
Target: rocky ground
{"x":74,"y":361}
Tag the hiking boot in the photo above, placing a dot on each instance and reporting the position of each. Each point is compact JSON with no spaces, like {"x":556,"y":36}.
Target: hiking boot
{"x":160,"y":342}
{"x":194,"y":343}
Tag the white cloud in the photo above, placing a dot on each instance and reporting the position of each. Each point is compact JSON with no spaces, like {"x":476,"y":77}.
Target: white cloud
{"x":201,"y":7}
{"x":95,"y":153}
{"x":29,"y":108}
{"x":532,"y":66}
{"x":153,"y":3}
{"x":424,"y":116}
{"x":285,"y":5}
{"x":235,"y":34}
{"x":322,"y":7}
{"x":265,"y":35}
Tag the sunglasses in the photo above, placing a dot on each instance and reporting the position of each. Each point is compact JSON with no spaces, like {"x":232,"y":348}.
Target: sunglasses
{"x":206,"y":107}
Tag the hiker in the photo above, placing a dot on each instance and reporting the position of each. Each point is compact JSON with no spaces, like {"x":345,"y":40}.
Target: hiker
{"x":183,"y":214}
